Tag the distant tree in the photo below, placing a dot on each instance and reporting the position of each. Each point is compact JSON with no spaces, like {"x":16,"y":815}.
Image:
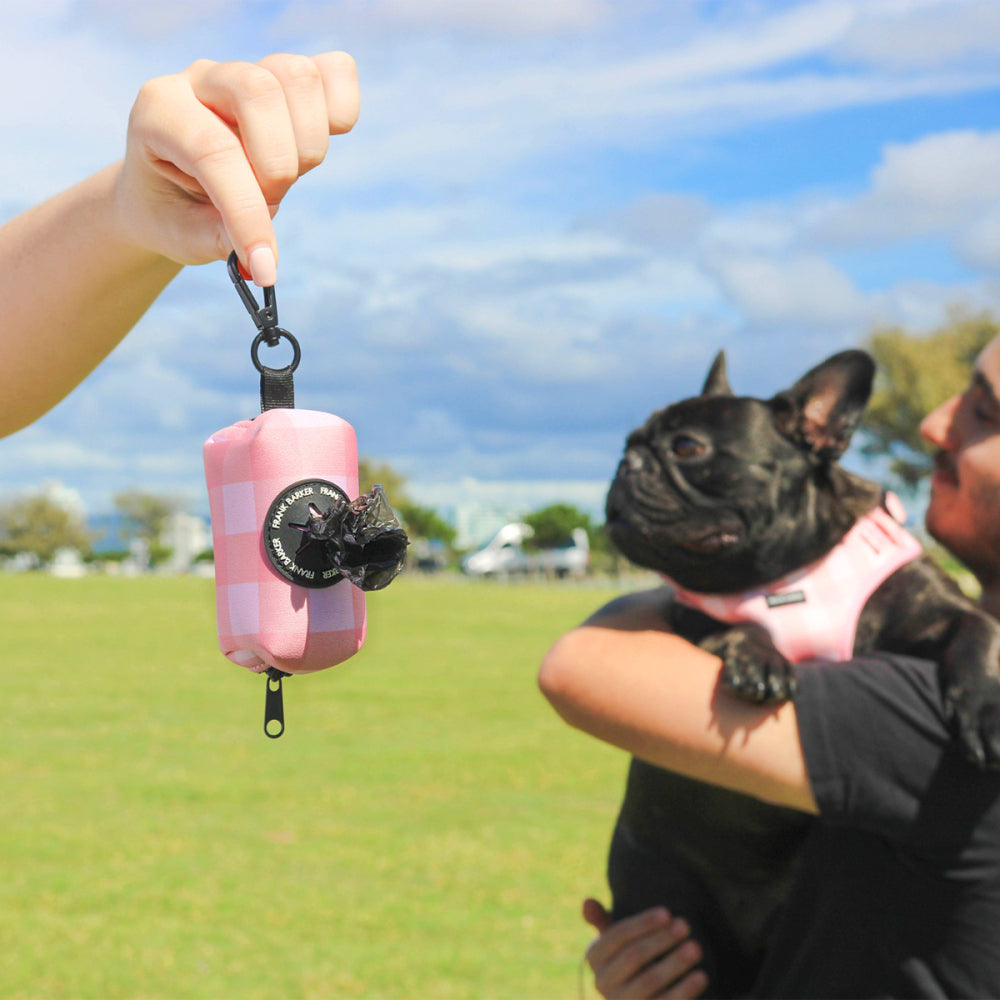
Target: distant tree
{"x":371,"y":472}
{"x":553,"y":526}
{"x":145,"y":514}
{"x":39,"y":525}
{"x":915,"y":374}
{"x":106,"y":556}
{"x":422,"y":522}
{"x":159,"y":554}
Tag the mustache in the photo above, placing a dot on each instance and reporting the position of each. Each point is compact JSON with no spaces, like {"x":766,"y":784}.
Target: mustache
{"x":945,"y":463}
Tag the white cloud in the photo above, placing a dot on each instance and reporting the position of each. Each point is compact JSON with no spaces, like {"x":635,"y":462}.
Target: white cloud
{"x":437,"y":115}
{"x":36,"y":449}
{"x":663,"y":220}
{"x":922,"y":305}
{"x":954,"y":171}
{"x":979,"y":245}
{"x":759,"y":228}
{"x":758,"y":43}
{"x":484,"y":19}
{"x":938,"y":185}
{"x":68,"y":92}
{"x":510,"y":18}
{"x":917,"y":34}
{"x":157,"y":18}
{"x":456,"y":297}
{"x":797,"y":291}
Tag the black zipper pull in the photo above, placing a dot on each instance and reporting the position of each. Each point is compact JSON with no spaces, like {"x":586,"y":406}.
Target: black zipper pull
{"x":274,"y":706}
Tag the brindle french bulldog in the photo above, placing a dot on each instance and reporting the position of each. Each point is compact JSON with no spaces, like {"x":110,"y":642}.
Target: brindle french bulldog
{"x":721,"y":493}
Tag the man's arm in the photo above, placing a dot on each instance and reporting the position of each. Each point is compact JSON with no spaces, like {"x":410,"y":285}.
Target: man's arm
{"x":623,"y":677}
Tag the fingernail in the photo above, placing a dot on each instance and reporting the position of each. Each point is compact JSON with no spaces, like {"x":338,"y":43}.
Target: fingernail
{"x":263,"y":267}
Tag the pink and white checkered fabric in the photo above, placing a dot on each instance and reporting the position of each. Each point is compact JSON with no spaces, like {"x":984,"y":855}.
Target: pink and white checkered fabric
{"x":814,"y":611}
{"x":263,"y":619}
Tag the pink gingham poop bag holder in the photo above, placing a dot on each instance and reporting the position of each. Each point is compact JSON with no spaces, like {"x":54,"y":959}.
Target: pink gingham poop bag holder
{"x":296,"y":543}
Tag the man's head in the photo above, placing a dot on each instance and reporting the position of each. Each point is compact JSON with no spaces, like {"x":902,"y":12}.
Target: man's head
{"x":964,"y":511}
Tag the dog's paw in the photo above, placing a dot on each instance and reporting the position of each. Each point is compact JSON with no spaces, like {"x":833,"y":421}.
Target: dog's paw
{"x":974,"y":714}
{"x":751,"y":666}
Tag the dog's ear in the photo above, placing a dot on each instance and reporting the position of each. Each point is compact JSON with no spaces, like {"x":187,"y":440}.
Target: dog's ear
{"x":823,"y":409}
{"x":717,"y":383}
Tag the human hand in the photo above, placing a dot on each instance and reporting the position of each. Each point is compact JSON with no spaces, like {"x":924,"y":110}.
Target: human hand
{"x":212,"y":151}
{"x":649,"y":955}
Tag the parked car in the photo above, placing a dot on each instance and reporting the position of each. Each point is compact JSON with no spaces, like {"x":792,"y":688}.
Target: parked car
{"x":505,"y":555}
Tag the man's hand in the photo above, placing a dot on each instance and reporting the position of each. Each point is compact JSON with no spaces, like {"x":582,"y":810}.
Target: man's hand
{"x":649,"y":955}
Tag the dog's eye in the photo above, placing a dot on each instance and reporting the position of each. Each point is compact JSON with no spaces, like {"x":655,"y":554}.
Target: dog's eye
{"x":685,"y":446}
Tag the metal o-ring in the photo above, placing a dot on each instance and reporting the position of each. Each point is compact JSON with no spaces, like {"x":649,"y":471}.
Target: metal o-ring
{"x":274,"y":335}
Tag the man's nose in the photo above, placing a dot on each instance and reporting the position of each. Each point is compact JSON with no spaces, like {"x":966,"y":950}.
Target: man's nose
{"x":938,"y":427}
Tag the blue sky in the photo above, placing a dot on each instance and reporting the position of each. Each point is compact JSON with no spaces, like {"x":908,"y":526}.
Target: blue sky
{"x":548,"y":219}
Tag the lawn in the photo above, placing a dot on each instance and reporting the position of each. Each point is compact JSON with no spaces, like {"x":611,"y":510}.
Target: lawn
{"x":425,"y":828}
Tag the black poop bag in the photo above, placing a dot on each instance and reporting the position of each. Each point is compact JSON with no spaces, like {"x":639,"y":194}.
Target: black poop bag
{"x":361,"y":538}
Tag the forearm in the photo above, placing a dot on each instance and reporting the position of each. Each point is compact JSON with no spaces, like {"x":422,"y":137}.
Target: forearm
{"x":624,"y":679}
{"x":71,"y":288}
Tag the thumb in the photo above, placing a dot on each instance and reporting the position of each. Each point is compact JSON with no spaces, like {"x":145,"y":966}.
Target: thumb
{"x":596,"y":915}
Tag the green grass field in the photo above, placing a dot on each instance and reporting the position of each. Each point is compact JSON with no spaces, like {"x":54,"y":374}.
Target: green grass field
{"x":426,"y":827}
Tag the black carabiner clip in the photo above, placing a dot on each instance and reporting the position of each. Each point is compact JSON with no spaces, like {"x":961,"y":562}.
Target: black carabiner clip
{"x":277,"y":388}
{"x":265,"y":317}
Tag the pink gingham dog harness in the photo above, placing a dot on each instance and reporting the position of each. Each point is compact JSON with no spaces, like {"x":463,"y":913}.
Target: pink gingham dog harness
{"x":263,"y":619}
{"x":814,"y":611}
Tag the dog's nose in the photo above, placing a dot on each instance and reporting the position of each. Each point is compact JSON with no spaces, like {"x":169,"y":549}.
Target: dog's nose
{"x":634,"y":460}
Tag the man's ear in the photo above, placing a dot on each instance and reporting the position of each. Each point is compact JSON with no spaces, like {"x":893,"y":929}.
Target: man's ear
{"x":717,"y":384}
{"x":823,"y":409}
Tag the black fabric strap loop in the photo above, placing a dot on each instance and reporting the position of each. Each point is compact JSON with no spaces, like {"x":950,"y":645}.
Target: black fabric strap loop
{"x":277,"y":388}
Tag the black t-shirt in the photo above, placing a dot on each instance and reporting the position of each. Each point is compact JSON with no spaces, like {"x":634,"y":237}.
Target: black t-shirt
{"x":899,"y":891}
